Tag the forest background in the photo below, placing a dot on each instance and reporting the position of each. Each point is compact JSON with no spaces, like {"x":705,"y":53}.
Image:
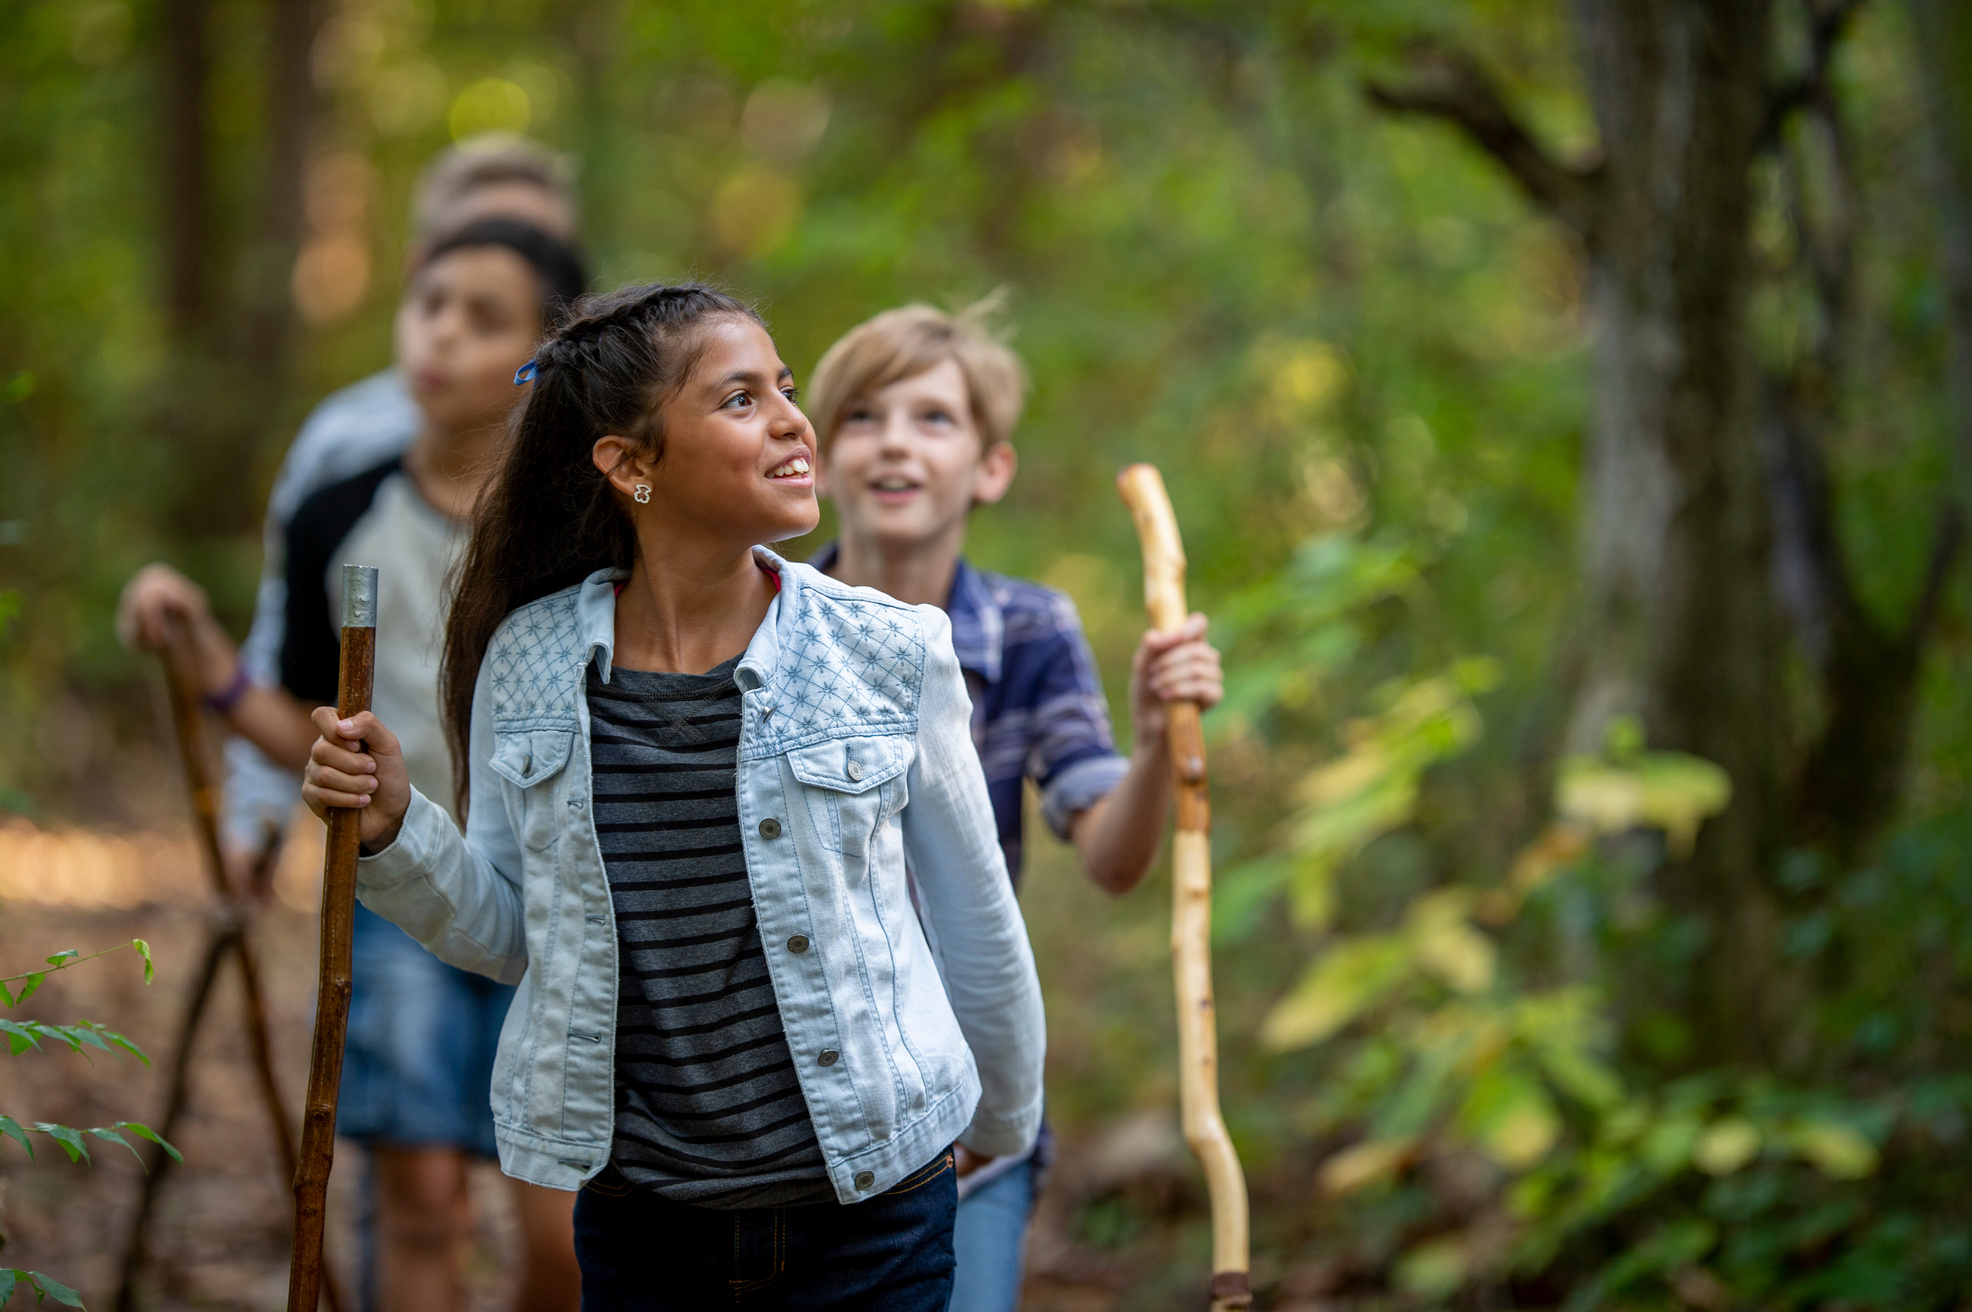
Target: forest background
{"x":1566,"y":410}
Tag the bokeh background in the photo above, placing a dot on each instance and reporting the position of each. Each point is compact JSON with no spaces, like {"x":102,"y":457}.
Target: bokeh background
{"x":1565,"y":407}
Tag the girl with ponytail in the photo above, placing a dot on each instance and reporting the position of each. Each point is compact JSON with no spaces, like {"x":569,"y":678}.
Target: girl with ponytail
{"x":691,"y":774}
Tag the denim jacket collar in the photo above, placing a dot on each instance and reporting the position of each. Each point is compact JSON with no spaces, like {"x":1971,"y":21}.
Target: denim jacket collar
{"x":595,"y":621}
{"x":978,"y":624}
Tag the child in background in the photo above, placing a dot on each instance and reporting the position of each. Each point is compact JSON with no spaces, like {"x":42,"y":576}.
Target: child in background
{"x":914,"y":411}
{"x":490,"y":176}
{"x":692,"y":774}
{"x":415,"y":1086}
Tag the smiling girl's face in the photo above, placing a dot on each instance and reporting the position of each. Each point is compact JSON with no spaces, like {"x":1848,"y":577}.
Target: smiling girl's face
{"x":738,"y":453}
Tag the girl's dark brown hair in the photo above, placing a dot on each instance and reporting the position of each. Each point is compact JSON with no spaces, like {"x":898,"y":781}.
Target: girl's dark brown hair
{"x":550,"y":517}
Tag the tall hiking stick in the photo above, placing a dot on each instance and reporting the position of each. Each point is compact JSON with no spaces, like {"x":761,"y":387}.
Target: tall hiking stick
{"x":231,"y":936}
{"x":318,"y":1122}
{"x":1142,"y":488}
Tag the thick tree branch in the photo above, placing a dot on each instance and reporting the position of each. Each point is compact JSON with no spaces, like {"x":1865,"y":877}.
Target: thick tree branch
{"x":1451,"y":86}
{"x":1946,"y":540}
{"x":1826,"y":25}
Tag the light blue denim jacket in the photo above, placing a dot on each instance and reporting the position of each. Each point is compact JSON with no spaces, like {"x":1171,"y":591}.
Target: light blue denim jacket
{"x":854,"y":751}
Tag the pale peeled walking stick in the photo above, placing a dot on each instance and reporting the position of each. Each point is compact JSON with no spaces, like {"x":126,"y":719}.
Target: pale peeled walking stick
{"x":1143,"y":492}
{"x":318,"y":1122}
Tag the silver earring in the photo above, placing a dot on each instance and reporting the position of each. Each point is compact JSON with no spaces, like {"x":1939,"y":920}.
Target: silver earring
{"x":642,"y":494}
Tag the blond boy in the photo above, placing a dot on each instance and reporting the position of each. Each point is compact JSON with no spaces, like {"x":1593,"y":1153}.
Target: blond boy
{"x":914,"y":413}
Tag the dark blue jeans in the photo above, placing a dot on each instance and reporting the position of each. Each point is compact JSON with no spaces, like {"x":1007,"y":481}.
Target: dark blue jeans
{"x":640,"y":1253}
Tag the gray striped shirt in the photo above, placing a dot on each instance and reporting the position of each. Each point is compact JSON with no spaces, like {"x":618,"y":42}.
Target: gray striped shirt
{"x":708,"y":1108}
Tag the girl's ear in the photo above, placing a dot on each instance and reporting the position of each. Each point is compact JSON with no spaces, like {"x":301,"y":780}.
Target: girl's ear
{"x":623,"y":462}
{"x":995,"y":473}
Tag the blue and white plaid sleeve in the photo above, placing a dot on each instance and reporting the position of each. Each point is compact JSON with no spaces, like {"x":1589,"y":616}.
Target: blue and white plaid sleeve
{"x":1072,"y":755}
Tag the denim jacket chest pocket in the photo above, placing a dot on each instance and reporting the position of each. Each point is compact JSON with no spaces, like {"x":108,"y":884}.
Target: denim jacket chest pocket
{"x":857,"y":784}
{"x":528,"y":758}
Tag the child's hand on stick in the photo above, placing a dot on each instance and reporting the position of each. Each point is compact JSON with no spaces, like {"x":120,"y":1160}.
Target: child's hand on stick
{"x":357,"y":763}
{"x":1172,"y":667}
{"x":155,"y":601}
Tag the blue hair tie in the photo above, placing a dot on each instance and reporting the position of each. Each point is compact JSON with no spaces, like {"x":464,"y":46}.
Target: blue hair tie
{"x":525,"y":374}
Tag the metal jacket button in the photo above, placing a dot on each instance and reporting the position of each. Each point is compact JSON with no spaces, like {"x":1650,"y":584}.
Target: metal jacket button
{"x":855,"y":770}
{"x":770,"y":828}
{"x":864,"y":1179}
{"x":799,"y":943}
{"x":828,"y":1056}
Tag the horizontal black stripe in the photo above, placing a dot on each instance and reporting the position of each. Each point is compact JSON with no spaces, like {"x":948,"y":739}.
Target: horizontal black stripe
{"x":678,"y":910}
{"x":698,"y":881}
{"x":617,"y":694}
{"x":691,"y":728}
{"x":724,"y":792}
{"x":730,"y":992}
{"x":721,"y":745}
{"x":619,"y":766}
{"x":712,"y":1111}
{"x":679,"y":854}
{"x":777,"y":1041}
{"x":709,"y":1100}
{"x":807,"y":1145}
{"x":681,"y":972}
{"x":683,"y":824}
{"x":701,"y":1088}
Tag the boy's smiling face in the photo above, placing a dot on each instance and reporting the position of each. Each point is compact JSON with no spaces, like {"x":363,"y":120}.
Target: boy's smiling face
{"x":907,"y":462}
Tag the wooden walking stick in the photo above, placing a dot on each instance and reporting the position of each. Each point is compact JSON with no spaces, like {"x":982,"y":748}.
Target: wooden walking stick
{"x":318,"y":1122}
{"x":1143,"y":492}
{"x":231,"y":937}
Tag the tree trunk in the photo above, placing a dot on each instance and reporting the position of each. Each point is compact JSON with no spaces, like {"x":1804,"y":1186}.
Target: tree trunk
{"x":1683,"y":628}
{"x":290,"y":112}
{"x":187,"y":168}
{"x":1944,"y":57}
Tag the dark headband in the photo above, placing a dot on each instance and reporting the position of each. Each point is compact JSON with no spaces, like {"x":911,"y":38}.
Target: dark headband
{"x":563,"y":276}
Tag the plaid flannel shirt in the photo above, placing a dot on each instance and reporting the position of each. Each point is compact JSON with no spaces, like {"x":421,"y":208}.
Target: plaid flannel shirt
{"x":1037,"y":706}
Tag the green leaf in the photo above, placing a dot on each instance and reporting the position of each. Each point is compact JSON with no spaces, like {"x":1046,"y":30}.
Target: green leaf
{"x":1663,"y":790}
{"x":1346,"y":980}
{"x":1433,"y":1270}
{"x":1726,"y":1146}
{"x":1512,"y":1117}
{"x":6,"y":995}
{"x":1838,"y":1151}
{"x":27,"y":989}
{"x":68,"y":1137}
{"x":54,"y":1289}
{"x":126,"y":1045}
{"x":1446,"y":945}
{"x":9,"y":1277}
{"x":85,"y":1033}
{"x":146,"y":1132}
{"x":12,"y":1128}
{"x":109,"y":1133}
{"x":61,"y":957}
{"x":144,"y":951}
{"x":19,"y":1037}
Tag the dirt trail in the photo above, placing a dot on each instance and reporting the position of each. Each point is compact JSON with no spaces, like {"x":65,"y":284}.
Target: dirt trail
{"x":219,"y":1240}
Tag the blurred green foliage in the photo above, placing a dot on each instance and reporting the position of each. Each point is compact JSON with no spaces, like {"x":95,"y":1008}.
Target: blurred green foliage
{"x":1360,"y":362}
{"x":25,"y":1035}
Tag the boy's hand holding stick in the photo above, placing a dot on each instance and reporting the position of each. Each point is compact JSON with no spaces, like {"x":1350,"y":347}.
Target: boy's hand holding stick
{"x":1142,"y":488}
{"x":318,"y":1126}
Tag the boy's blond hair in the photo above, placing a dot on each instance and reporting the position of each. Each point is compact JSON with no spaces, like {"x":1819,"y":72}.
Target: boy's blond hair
{"x":910,"y":340}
